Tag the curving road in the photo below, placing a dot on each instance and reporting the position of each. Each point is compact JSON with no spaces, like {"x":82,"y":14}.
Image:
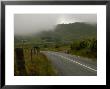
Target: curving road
{"x":70,"y":65}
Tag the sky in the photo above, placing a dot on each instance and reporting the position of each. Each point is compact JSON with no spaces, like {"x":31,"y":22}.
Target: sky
{"x":27,"y":24}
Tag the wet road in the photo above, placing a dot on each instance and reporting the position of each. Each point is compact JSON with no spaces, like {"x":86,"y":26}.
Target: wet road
{"x":70,"y":65}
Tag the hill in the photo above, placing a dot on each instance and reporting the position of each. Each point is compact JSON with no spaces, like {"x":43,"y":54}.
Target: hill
{"x":63,"y":33}
{"x":69,"y":32}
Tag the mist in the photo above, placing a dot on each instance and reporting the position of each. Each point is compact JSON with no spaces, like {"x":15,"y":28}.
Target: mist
{"x":28,"y":24}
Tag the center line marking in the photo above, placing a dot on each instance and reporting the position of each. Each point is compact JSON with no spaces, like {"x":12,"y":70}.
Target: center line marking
{"x":73,"y":61}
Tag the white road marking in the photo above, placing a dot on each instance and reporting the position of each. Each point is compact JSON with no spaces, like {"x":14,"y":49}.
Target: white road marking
{"x":73,"y":61}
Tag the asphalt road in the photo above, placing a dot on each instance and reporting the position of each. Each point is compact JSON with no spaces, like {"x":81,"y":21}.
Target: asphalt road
{"x":70,"y":65}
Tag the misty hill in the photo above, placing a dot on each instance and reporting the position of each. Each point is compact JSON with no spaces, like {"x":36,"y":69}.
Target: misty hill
{"x":65,"y":33}
{"x":70,"y":32}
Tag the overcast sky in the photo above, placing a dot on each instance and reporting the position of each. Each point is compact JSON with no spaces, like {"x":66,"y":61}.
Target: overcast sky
{"x":25,"y":24}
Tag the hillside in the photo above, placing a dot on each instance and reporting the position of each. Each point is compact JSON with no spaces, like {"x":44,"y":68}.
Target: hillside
{"x":63,"y":33}
{"x":69,"y":32}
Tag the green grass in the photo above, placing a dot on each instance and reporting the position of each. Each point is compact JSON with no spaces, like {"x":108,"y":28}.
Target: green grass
{"x":85,"y":53}
{"x":38,"y":66}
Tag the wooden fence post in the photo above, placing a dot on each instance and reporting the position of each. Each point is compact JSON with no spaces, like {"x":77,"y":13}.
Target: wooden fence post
{"x":20,"y":61}
{"x":31,"y":54}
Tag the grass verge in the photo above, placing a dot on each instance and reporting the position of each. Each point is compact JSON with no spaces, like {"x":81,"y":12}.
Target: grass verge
{"x":40,"y":65}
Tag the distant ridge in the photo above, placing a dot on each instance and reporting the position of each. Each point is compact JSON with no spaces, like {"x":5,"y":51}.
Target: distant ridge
{"x":65,"y":32}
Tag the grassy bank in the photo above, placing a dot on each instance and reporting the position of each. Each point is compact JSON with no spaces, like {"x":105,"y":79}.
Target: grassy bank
{"x":82,"y":47}
{"x":38,"y":66}
{"x":85,"y":53}
{"x":85,"y":48}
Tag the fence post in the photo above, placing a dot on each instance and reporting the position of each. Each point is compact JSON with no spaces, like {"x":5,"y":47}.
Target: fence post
{"x":31,"y":54}
{"x":20,"y":62}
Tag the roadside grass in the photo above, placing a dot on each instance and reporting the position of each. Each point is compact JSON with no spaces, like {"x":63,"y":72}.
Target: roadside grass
{"x":85,"y":53}
{"x":82,"y":52}
{"x":40,"y":65}
{"x":83,"y":47}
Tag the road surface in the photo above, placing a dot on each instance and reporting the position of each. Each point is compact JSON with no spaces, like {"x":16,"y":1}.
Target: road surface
{"x":70,"y":65}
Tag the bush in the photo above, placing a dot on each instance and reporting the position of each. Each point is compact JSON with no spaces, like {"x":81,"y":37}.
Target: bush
{"x":93,"y":45}
{"x":85,"y":47}
{"x":75,"y":46}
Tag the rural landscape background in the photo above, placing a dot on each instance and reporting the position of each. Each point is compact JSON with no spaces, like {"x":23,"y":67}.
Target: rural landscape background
{"x":55,"y":44}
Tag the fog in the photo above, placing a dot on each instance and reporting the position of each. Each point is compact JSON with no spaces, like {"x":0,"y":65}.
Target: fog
{"x":27,"y":24}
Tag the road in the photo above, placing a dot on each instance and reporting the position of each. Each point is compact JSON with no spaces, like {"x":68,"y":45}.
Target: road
{"x":71,"y":65}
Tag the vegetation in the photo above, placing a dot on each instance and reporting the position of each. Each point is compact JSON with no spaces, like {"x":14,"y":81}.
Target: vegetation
{"x":39,"y":65}
{"x":74,"y":38}
{"x":86,"y":47}
{"x":62,"y":34}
